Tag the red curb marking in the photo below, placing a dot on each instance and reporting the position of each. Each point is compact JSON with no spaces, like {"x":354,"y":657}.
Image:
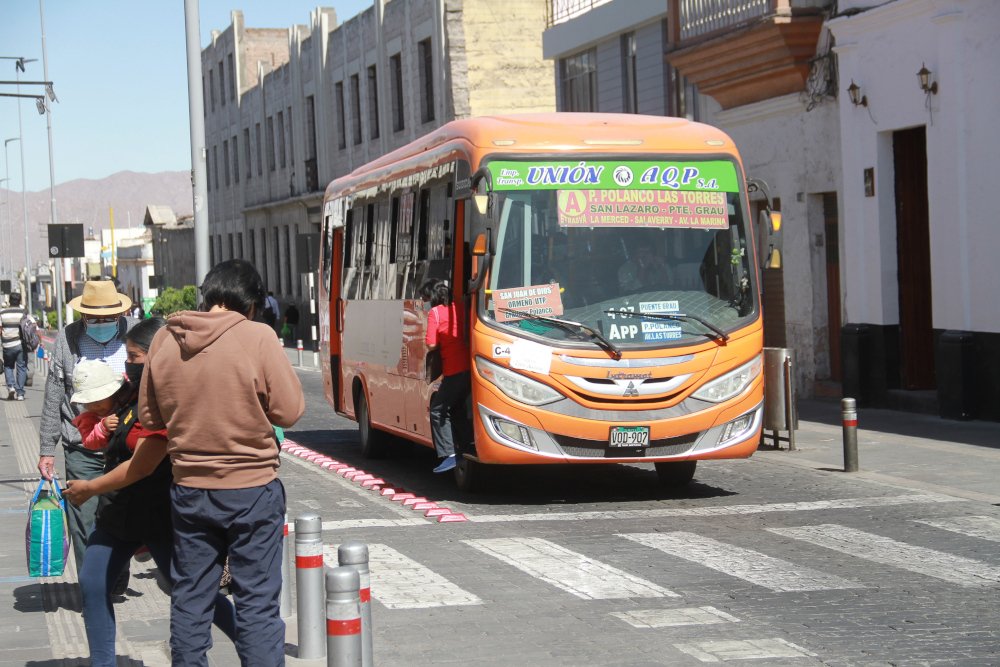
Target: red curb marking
{"x":389,"y":491}
{"x":396,"y":497}
{"x":344,"y":472}
{"x":368,"y":483}
{"x":420,"y":507}
{"x":451,"y":518}
{"x":437,"y":511}
{"x":413,"y":500}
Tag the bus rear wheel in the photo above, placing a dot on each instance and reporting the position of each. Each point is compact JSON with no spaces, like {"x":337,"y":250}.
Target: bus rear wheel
{"x":675,"y":473}
{"x":374,"y":443}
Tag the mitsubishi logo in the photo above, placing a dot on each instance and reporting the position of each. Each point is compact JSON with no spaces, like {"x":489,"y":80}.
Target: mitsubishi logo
{"x":630,"y":390}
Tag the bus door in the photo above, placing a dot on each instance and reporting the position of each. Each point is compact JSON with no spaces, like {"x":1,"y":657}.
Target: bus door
{"x":331,"y":319}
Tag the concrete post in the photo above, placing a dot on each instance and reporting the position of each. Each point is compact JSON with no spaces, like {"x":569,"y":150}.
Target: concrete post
{"x":354,"y":555}
{"x":309,"y":585}
{"x":298,"y":346}
{"x":343,"y":618}
{"x":849,"y":414}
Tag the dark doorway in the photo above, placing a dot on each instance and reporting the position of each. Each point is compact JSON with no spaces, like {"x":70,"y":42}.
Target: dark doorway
{"x":913,"y":250}
{"x":831,"y":241}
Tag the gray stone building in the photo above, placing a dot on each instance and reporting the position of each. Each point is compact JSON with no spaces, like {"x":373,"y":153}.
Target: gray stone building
{"x":288,"y":110}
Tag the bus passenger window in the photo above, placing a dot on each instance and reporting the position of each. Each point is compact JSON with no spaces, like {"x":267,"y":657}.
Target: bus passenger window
{"x":422,"y":223}
{"x":349,"y":234}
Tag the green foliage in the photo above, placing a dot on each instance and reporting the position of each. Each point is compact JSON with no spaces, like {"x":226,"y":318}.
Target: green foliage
{"x":172,"y":300}
{"x":52,"y":317}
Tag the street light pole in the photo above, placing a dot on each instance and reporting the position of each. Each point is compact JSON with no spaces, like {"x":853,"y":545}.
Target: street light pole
{"x":3,"y":227}
{"x":24,"y":197}
{"x":10,"y":223}
{"x":52,"y":167}
{"x":196,"y":112}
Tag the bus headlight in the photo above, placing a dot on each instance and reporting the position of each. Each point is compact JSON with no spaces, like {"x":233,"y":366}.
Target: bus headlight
{"x":515,"y":385}
{"x":731,"y":384}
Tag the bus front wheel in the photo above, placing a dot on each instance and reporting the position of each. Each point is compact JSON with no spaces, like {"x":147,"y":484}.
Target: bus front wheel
{"x":675,"y":473}
{"x":469,"y":475}
{"x":374,"y":443}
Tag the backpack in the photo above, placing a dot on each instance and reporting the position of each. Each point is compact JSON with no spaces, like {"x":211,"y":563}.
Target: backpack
{"x":29,"y":333}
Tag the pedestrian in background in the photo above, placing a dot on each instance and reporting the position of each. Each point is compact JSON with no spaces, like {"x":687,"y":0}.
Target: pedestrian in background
{"x":291,"y":320}
{"x":134,"y":510}
{"x":15,"y":354}
{"x":449,"y":423}
{"x":226,"y":498}
{"x":99,"y":335}
{"x":271,"y":310}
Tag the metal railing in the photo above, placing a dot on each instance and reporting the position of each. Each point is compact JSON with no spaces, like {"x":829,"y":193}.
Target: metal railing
{"x":703,"y":17}
{"x":560,"y":11}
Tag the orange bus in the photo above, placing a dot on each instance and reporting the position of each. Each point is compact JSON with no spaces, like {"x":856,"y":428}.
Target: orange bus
{"x":604,"y":264}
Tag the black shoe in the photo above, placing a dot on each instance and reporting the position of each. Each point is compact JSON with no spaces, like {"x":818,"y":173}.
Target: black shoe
{"x":121,"y":583}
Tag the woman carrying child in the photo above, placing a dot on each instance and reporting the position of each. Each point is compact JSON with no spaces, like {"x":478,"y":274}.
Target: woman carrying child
{"x":133,"y":510}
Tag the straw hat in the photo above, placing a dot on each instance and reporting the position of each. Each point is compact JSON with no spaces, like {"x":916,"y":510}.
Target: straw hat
{"x":94,"y":381}
{"x":100,"y":298}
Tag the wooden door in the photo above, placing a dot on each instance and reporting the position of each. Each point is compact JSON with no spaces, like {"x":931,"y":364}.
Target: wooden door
{"x":913,"y":249}
{"x":831,"y":240}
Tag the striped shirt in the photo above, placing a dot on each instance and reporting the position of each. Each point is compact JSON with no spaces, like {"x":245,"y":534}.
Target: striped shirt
{"x":10,"y":318}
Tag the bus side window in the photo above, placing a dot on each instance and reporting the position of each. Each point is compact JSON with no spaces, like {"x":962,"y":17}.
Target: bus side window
{"x":327,"y":251}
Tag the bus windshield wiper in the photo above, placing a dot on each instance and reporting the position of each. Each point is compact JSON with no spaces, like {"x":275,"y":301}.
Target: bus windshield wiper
{"x":572,"y":327}
{"x":719,"y":333}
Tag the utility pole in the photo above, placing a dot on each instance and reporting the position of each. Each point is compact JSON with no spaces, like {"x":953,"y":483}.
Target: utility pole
{"x":196,"y":112}
{"x":52,"y":172}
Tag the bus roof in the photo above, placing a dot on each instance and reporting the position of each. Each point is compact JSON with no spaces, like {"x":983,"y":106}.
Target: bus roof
{"x":565,"y":132}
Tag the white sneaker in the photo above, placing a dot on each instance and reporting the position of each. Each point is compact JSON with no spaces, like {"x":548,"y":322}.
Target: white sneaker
{"x":20,"y":398}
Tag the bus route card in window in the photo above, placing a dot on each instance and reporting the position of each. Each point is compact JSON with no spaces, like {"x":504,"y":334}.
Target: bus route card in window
{"x":629,"y":436}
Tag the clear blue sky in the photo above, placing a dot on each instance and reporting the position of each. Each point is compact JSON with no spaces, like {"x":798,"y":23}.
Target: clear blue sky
{"x":120,"y":72}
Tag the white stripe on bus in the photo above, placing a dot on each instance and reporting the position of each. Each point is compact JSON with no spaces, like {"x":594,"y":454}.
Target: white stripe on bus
{"x":752,"y":566}
{"x":572,"y":572}
{"x":868,"y":546}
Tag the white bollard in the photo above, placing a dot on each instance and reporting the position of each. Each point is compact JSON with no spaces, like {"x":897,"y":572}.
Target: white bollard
{"x":309,"y":585}
{"x":343,"y":618}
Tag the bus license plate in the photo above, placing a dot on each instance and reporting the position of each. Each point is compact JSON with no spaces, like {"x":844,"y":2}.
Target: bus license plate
{"x":629,"y":436}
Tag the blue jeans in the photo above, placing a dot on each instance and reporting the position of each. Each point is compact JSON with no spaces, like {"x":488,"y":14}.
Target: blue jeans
{"x":248,"y":526}
{"x":106,"y":557}
{"x":15,"y":359}
{"x":449,"y":423}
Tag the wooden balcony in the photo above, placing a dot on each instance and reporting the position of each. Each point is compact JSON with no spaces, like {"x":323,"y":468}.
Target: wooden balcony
{"x":744,"y":51}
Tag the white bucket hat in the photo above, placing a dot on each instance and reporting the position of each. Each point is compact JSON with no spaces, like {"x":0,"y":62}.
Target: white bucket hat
{"x":94,"y":381}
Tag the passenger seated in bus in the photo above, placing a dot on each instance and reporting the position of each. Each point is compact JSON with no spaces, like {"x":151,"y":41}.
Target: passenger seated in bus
{"x":643,"y":271}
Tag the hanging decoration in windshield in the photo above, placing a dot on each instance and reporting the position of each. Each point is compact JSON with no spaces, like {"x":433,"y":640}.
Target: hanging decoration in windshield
{"x":712,"y":175}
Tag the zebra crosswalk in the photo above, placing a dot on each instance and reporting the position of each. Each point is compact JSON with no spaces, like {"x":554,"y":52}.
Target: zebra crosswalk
{"x":401,"y":582}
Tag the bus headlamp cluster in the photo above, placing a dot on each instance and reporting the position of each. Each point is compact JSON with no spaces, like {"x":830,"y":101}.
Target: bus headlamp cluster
{"x":732,"y":383}
{"x":514,"y":432}
{"x":737,"y":428}
{"x":516,"y":386}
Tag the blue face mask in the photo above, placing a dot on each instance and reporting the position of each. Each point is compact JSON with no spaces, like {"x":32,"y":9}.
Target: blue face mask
{"x":102,"y":332}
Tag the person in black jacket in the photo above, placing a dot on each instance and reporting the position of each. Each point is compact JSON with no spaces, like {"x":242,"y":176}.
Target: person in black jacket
{"x":129,"y":516}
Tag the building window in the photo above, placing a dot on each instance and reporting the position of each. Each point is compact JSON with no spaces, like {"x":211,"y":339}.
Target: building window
{"x":426,"y":58}
{"x":263,"y":255}
{"x":232,"y":78}
{"x":239,"y":244}
{"x":291,"y":140}
{"x":222,"y":83}
{"x":310,"y":128}
{"x":215,"y":165}
{"x":579,"y":81}
{"x":630,"y":87}
{"x":277,"y":260}
{"x":396,"y":72}
{"x":260,"y":160}
{"x":246,"y":152}
{"x":236,"y":161}
{"x":225,"y":161}
{"x":211,"y":87}
{"x":204,"y":93}
{"x":281,"y":139}
{"x":341,"y":124}
{"x":288,"y":259}
{"x":270,"y":143}
{"x":356,"y":108}
{"x":208,"y":170}
{"x":372,"y":102}
{"x":232,"y":246}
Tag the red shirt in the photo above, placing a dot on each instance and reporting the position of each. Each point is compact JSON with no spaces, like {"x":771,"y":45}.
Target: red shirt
{"x":444,"y":329}
{"x":139,"y":431}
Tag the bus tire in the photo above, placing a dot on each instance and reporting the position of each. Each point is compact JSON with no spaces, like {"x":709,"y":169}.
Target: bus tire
{"x":374,"y":443}
{"x":470,"y":476}
{"x":675,"y":473}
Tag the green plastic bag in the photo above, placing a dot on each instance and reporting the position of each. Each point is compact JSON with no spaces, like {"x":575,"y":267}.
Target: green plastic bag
{"x":46,"y":541}
{"x":286,"y":331}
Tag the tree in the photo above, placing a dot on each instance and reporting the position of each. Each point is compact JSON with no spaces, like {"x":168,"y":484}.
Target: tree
{"x":172,"y":300}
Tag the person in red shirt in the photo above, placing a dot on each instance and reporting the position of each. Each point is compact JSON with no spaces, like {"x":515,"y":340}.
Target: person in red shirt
{"x":449,"y":422}
{"x":97,"y":387}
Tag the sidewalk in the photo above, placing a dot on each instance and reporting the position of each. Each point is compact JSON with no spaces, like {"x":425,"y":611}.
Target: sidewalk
{"x":40,"y":622}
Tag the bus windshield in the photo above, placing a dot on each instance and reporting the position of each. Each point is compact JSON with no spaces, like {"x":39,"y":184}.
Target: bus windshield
{"x":639,"y":268}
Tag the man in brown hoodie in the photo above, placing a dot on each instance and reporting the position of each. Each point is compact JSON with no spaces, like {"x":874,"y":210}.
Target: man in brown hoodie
{"x":218,"y":381}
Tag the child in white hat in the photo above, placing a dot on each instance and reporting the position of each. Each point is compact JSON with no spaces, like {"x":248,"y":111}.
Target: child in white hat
{"x":95,"y":385}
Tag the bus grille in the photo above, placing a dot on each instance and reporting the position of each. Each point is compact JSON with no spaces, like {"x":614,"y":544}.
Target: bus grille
{"x":599,"y":448}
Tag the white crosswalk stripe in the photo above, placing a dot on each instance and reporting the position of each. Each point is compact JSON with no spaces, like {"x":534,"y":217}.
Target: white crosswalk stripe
{"x":983,"y":527}
{"x":744,"y":649}
{"x":669,"y":618}
{"x":399,"y":582}
{"x":757,"y":568}
{"x":868,"y":546}
{"x":574,"y":573}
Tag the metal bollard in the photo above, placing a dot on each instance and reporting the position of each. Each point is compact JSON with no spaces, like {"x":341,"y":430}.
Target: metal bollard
{"x":849,"y":415}
{"x":343,"y":618}
{"x":309,"y":585}
{"x":298,"y":346}
{"x":354,"y":555}
{"x":286,"y":575}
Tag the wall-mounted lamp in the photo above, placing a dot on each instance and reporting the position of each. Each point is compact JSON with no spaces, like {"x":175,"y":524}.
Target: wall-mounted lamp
{"x":926,"y":85}
{"x":857,"y":99}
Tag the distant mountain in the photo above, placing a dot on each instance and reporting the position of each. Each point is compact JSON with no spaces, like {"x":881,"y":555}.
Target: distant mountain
{"x":87,"y":202}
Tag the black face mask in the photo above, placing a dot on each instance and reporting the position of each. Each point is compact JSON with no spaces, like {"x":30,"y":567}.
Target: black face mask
{"x":134,"y":373}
